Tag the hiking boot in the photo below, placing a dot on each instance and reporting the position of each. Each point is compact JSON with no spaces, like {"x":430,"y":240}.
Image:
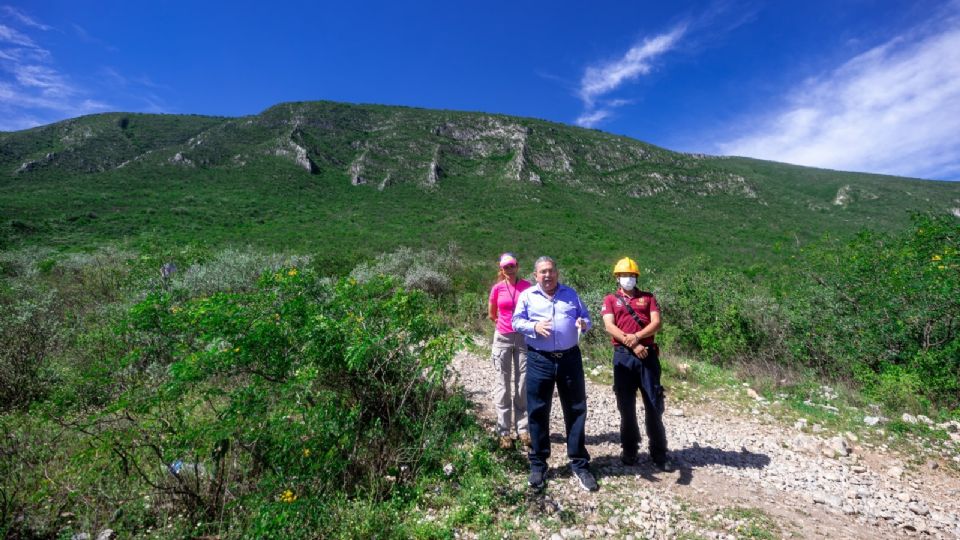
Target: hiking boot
{"x":537,"y":479}
{"x":628,"y":459}
{"x":506,"y":442}
{"x":586,"y":479}
{"x":525,"y":439}
{"x":666,"y":465}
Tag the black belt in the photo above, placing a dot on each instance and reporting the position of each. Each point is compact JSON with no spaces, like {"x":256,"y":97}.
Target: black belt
{"x":653,"y":348}
{"x":553,"y":354}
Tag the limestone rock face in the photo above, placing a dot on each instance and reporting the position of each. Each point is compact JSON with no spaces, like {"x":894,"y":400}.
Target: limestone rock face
{"x":384,"y":146}
{"x":180,"y":159}
{"x":356,"y":171}
{"x":433,"y":170}
{"x":296,"y":153}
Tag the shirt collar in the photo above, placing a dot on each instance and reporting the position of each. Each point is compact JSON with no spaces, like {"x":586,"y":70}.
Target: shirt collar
{"x":540,"y":290}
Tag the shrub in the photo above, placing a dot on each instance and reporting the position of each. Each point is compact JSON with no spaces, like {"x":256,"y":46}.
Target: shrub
{"x":717,"y":312}
{"x":24,"y":263}
{"x":885,"y":308}
{"x":293,"y":391}
{"x":232,"y":270}
{"x":29,"y":336}
{"x":426,"y":270}
{"x":426,"y":279}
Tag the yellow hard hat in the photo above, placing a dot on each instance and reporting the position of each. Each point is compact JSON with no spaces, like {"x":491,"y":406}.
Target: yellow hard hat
{"x":626,"y":265}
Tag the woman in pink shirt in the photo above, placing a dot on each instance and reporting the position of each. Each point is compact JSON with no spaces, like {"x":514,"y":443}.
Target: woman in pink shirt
{"x":509,"y":355}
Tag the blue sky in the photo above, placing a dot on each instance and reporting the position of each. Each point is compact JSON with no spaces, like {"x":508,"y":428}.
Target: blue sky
{"x":865,"y":85}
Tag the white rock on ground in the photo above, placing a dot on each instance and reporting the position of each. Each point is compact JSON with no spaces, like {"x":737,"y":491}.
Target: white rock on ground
{"x":729,"y":459}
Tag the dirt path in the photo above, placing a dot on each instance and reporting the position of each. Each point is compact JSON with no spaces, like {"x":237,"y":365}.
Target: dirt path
{"x":741,"y":474}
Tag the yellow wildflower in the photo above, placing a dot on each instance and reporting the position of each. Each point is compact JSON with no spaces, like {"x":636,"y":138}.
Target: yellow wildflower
{"x":236,"y":349}
{"x":942,"y":267}
{"x":287,"y":496}
{"x":292,"y":272}
{"x":175,"y":309}
{"x":936,"y":258}
{"x":306,"y":452}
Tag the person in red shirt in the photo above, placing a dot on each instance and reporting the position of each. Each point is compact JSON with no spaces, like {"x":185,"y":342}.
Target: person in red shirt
{"x":632,"y":318}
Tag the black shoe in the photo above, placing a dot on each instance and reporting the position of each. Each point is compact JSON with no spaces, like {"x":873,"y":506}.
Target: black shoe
{"x":628,"y":459}
{"x":537,"y":479}
{"x":665,"y":466}
{"x":586,"y":479}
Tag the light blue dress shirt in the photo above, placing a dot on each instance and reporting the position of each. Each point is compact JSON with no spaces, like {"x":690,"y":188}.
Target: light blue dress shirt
{"x":533,"y":306}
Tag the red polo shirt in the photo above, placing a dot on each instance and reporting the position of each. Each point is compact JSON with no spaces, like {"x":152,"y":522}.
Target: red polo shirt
{"x":643,"y":304}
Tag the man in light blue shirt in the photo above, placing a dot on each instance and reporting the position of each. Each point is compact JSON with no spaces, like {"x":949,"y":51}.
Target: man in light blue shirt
{"x":551,"y":318}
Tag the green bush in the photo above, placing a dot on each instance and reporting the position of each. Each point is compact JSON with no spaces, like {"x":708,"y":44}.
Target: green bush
{"x":718,"y":313}
{"x":884,"y":308}
{"x":30,"y":335}
{"x":280,"y":396}
{"x":881,"y":311}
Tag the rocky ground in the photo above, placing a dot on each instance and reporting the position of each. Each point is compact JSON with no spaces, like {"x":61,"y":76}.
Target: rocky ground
{"x":743,"y":473}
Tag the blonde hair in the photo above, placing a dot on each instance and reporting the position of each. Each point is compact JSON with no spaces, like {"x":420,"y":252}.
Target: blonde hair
{"x":501,"y":275}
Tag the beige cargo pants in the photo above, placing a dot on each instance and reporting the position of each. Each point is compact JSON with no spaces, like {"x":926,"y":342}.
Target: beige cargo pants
{"x":510,"y":395}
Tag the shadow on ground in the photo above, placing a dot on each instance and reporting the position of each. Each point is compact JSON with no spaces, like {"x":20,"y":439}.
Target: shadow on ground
{"x":685,"y":460}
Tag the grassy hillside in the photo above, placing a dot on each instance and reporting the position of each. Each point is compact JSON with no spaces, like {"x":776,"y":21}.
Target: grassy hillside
{"x":348,"y":182}
{"x":250,"y":395}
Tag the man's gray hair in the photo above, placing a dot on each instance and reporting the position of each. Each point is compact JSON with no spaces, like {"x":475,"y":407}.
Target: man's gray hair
{"x":544,"y":259}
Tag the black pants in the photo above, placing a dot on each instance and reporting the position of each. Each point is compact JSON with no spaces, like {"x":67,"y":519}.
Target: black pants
{"x":630,"y":374}
{"x":546,"y":371}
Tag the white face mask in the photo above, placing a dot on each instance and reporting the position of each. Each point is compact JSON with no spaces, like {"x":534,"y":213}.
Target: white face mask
{"x":627,"y":282}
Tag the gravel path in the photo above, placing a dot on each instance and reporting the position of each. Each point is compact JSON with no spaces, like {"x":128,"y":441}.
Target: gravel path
{"x":732,"y":463}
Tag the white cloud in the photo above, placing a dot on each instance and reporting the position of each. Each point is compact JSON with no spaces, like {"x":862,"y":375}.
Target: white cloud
{"x":592,"y":118}
{"x":11,"y":35}
{"x":600,"y":80}
{"x":33,"y":90}
{"x":23,"y":18}
{"x":894,"y":109}
{"x":44,"y":78}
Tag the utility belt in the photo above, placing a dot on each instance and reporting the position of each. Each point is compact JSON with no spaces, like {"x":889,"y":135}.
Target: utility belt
{"x":555,"y":355}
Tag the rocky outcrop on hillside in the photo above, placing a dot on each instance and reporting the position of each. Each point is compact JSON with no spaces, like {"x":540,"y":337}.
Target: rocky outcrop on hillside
{"x":433,"y":169}
{"x":392,"y":144}
{"x":848,"y":194}
{"x":356,"y":170}
{"x":377,"y":147}
{"x":95,"y":143}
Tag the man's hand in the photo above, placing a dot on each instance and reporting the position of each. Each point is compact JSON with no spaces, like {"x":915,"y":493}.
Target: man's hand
{"x":641,"y":351}
{"x":543,"y":328}
{"x":630,"y":340}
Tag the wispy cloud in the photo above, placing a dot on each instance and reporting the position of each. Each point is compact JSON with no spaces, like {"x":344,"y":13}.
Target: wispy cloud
{"x":24,"y":19}
{"x":33,"y":90}
{"x":12,"y":36}
{"x":592,"y":118}
{"x":894,"y":109}
{"x":602,"y":79}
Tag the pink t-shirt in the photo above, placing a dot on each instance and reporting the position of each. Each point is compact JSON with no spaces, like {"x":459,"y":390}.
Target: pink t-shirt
{"x":504,"y":296}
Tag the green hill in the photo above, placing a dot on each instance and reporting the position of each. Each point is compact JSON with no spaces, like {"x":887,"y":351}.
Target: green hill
{"x":351,"y":181}
{"x":246,"y":394}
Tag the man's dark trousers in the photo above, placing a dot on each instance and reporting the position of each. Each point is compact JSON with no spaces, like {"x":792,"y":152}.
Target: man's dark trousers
{"x":565,"y":371}
{"x":630,"y":374}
